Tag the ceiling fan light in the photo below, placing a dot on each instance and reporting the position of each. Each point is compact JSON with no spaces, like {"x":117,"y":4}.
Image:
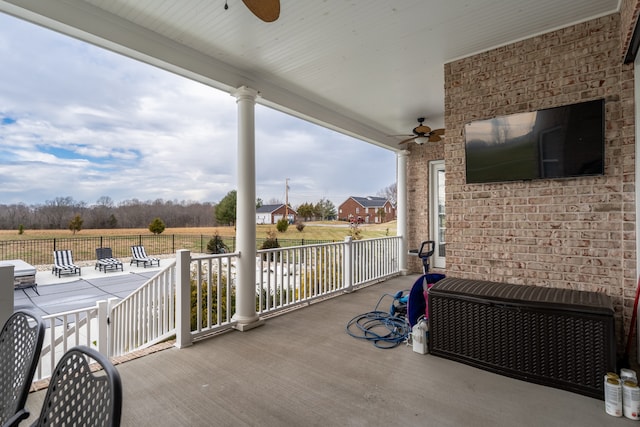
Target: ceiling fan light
{"x":421,"y":140}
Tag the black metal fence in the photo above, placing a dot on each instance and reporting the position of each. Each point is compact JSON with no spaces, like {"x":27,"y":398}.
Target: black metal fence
{"x":40,"y":251}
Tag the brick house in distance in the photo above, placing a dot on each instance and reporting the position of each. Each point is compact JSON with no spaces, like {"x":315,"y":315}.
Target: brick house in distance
{"x":367,"y":210}
{"x":271,"y":214}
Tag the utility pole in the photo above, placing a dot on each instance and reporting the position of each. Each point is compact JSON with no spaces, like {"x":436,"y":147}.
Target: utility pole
{"x":286,"y":199}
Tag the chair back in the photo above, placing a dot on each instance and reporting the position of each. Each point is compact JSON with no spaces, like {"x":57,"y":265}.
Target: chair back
{"x":20,"y":345}
{"x":82,"y":396}
{"x":139,"y":252}
{"x":63,"y":257}
{"x":102,"y":253}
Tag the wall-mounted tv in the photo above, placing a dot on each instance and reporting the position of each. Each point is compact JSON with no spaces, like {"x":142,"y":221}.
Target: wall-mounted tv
{"x":566,"y":141}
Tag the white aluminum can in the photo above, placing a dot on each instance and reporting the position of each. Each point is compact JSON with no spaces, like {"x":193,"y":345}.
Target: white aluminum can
{"x":631,"y":400}
{"x":613,"y":397}
{"x":628,"y":374}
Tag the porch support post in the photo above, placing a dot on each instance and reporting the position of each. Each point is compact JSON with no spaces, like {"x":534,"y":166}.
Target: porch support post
{"x":103,"y":327}
{"x":401,"y":208}
{"x":111,"y":339}
{"x":348,"y":264}
{"x":183,"y":298}
{"x":245,"y":315}
{"x":6,"y":292}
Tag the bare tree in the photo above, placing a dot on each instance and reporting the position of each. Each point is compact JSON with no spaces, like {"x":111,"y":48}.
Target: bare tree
{"x":390,"y":193}
{"x":58,"y":212}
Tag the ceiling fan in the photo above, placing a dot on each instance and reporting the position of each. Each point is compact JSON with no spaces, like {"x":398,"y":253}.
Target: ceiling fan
{"x":422,"y":134}
{"x":267,"y":10}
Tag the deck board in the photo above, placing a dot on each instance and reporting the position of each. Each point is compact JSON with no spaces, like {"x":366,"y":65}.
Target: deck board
{"x":303,"y":369}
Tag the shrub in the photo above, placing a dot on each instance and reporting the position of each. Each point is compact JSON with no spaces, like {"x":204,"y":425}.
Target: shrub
{"x":300,"y":227}
{"x":217,"y":246}
{"x":157,"y":226}
{"x":75,"y":224}
{"x":271,"y":242}
{"x":204,"y":314}
{"x":282,"y":225}
{"x":354,"y":231}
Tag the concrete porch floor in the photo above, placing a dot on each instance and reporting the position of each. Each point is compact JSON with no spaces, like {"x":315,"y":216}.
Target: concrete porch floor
{"x":303,"y":369}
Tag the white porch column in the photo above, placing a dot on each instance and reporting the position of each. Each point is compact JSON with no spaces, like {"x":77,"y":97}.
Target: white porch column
{"x":401,"y":208}
{"x":245,"y":314}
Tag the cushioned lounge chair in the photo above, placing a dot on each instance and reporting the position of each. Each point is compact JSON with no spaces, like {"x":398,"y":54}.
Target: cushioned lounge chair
{"x":63,"y":263}
{"x":139,"y":255}
{"x":20,"y":346}
{"x":77,"y":396}
{"x":105,"y":260}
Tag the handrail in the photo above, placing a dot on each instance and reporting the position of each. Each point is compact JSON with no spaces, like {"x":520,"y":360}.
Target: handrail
{"x":66,"y":330}
{"x":285,"y":278}
{"x":146,"y":316}
{"x":213,"y":280}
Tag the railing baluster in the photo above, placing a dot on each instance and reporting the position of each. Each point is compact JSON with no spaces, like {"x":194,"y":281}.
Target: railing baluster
{"x":286,"y":277}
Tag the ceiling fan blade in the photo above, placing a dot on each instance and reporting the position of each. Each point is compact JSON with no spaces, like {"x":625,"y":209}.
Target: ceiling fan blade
{"x":422,"y":129}
{"x":407,"y":140}
{"x":434,"y":138}
{"x":267,"y":10}
{"x":437,"y":132}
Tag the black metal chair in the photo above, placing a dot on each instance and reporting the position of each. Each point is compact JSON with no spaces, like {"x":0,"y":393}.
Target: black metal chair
{"x":81,"y":396}
{"x":20,"y":346}
{"x":105,"y":260}
{"x":139,"y":255}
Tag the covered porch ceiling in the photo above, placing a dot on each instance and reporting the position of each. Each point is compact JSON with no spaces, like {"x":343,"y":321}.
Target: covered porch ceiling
{"x":368,"y":69}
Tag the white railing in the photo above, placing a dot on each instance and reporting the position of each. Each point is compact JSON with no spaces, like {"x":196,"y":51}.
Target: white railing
{"x":375,"y":259}
{"x":290,"y":276}
{"x":285,"y":278}
{"x":71,"y":328}
{"x":212,"y":282}
{"x":146,"y":316}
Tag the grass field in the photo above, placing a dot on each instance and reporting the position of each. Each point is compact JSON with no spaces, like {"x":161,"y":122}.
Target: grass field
{"x":328,"y":230}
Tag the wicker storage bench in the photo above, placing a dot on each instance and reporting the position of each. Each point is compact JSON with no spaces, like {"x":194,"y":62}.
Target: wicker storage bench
{"x":556,"y":337}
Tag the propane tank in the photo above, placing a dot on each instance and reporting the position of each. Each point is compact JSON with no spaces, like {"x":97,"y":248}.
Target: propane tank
{"x":419,"y":334}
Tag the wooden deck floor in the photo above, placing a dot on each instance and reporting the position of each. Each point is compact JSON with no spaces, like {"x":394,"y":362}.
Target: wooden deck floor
{"x":303,"y":369}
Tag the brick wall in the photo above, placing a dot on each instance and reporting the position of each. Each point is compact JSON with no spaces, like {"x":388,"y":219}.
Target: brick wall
{"x":566,"y":233}
{"x":352,"y":209}
{"x":629,"y":10}
{"x":417,"y":196}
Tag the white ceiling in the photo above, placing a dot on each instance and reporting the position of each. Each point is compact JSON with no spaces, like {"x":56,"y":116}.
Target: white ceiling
{"x":368,"y":68}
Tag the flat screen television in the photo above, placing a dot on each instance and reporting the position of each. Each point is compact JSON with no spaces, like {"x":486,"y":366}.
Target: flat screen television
{"x":559,"y":142}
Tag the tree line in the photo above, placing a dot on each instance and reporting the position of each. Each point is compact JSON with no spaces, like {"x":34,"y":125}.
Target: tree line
{"x":66,"y":213}
{"x":61,"y":212}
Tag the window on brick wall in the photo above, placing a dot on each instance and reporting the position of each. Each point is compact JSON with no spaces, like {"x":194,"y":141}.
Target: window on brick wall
{"x":437,"y":212}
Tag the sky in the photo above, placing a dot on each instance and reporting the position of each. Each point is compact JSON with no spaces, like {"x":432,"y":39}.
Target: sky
{"x":83,"y":122}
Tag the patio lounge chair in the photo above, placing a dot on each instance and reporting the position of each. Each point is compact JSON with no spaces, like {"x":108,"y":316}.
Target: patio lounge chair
{"x":77,"y":396}
{"x":139,"y":255}
{"x":63,"y":263}
{"x":105,"y":260}
{"x":20,"y":345}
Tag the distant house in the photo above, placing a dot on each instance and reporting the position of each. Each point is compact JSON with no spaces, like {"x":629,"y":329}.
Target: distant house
{"x":271,"y":214}
{"x":367,"y":210}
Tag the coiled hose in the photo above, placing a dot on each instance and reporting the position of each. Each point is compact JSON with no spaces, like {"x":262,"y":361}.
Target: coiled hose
{"x":382,"y":329}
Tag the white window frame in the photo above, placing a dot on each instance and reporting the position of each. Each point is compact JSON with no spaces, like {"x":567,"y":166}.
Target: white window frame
{"x":436,"y":193}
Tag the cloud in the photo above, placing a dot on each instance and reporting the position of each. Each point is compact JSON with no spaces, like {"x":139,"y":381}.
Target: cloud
{"x":80,"y":121}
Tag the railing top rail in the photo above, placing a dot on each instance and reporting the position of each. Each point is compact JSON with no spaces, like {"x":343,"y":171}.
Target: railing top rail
{"x":67,"y":313}
{"x":213,"y":256}
{"x":152,"y":279}
{"x":286,"y":248}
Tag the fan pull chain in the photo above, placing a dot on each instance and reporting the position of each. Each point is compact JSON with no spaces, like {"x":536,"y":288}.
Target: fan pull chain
{"x":226,"y":6}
